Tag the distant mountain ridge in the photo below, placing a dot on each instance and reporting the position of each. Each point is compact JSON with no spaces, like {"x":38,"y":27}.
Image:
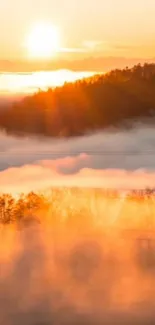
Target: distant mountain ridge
{"x":99,"y":63}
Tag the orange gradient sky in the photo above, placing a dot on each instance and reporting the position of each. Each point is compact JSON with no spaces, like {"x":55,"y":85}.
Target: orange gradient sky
{"x":88,"y":27}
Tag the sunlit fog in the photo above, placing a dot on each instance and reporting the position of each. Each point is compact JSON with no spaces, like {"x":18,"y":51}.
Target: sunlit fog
{"x":90,"y":161}
{"x":31,"y":82}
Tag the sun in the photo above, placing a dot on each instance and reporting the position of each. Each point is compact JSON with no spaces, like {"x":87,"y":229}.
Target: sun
{"x":43,"y":41}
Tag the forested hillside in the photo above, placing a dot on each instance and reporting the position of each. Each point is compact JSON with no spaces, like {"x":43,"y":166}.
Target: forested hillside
{"x":87,"y":105}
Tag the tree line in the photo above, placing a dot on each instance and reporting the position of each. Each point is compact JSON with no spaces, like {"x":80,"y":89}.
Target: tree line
{"x":58,"y":203}
{"x":77,"y":205}
{"x":85,"y":105}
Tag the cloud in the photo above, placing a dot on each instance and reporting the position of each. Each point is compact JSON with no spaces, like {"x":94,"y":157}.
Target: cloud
{"x":87,"y":46}
{"x":93,"y":45}
{"x":71,"y":172}
{"x":109,"y":149}
{"x":112,"y":158}
{"x":122,"y":47}
{"x":105,"y":46}
{"x":73,"y":50}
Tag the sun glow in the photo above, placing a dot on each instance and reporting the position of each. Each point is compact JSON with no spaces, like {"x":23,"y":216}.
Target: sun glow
{"x":43,"y":41}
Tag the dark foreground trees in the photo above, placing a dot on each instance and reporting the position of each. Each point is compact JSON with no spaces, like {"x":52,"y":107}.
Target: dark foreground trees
{"x":87,"y":105}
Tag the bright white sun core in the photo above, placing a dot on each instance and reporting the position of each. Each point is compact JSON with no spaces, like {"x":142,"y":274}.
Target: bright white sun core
{"x":43,"y":41}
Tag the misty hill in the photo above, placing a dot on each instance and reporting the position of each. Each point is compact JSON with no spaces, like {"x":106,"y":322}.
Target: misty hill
{"x":87,"y":105}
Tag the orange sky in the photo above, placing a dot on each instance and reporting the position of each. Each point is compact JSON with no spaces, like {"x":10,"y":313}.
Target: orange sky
{"x":93,"y":28}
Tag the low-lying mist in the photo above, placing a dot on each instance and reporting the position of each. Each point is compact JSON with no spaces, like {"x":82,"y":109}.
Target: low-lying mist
{"x":72,"y":268}
{"x":121,"y":159}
